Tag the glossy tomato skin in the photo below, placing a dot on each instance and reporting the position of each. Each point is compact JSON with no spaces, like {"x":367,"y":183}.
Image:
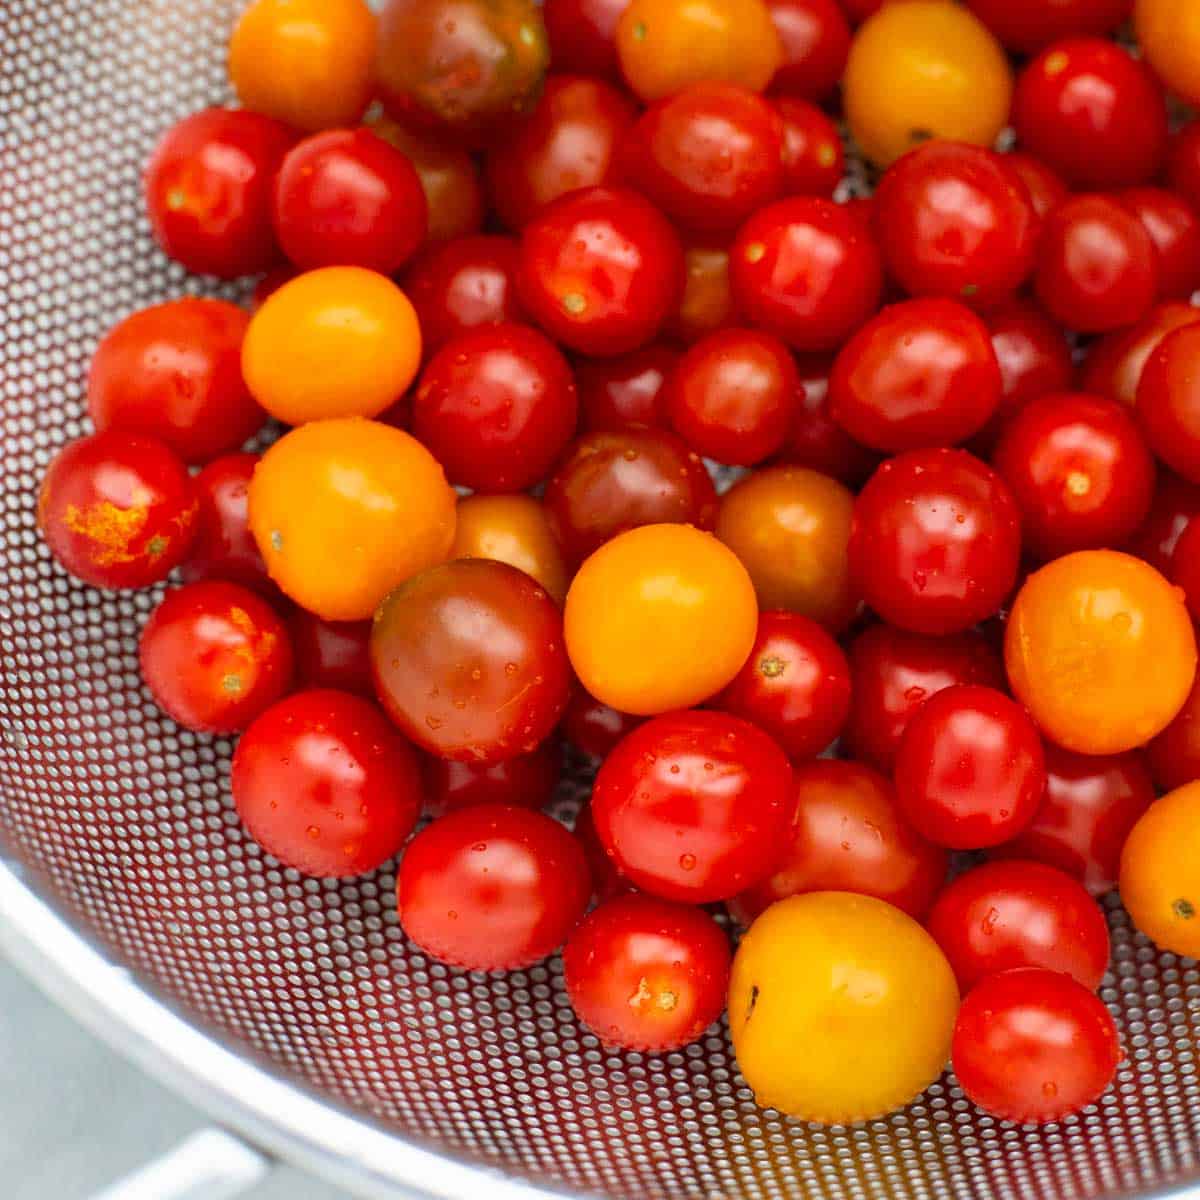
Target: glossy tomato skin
{"x":600,"y":270}
{"x":816,"y":40}
{"x":1185,"y":566}
{"x":469,"y":662}
{"x":592,"y":727}
{"x":1168,"y":401}
{"x":496,"y":406}
{"x":848,"y":835}
{"x":214,"y":655}
{"x":645,"y":974}
{"x":332,"y":654}
{"x":492,"y":887}
{"x":807,"y":271}
{"x":1034,"y":1046}
{"x":813,"y":158}
{"x":1115,"y":363}
{"x":1175,"y":231}
{"x":607,"y":881}
{"x":607,"y":483}
{"x":1183,"y":162}
{"x":326,"y":785}
{"x":208,"y":190}
{"x":693,"y":806}
{"x":624,"y":392}
{"x":1092,"y":112}
{"x":569,"y":141}
{"x":1028,"y":25}
{"x":707,"y":301}
{"x":224,"y":547}
{"x":525,"y":781}
{"x":1175,"y":503}
{"x":1046,"y":190}
{"x":174,"y":372}
{"x":117,"y":510}
{"x":513,"y":529}
{"x":583,"y":35}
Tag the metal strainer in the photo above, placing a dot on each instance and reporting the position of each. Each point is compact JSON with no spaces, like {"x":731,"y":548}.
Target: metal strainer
{"x":294,"y":1009}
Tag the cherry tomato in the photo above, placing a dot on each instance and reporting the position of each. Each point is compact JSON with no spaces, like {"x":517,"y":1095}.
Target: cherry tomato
{"x":913,"y":565}
{"x":1168,"y":32}
{"x":1090,"y":805}
{"x":349,"y":198}
{"x":692,"y":806}
{"x":117,"y":510}
{"x":270,"y":283}
{"x":1079,"y":470}
{"x":823,"y":1007}
{"x":600,"y":270}
{"x":330,"y":482}
{"x":1168,"y":401}
{"x":1183,"y":162}
{"x":338,"y":342}
{"x":921,"y":71}
{"x":208,"y":191}
{"x":514,"y":530}
{"x":816,"y":40}
{"x":707,"y":301}
{"x":1115,"y":362}
{"x":1175,"y":232}
{"x":326,"y":785}
{"x":624,"y":392}
{"x":789,"y":526}
{"x":332,"y":654}
{"x":1185,"y":566}
{"x":1097,"y":268}
{"x":583,"y":35}
{"x":1175,"y":503}
{"x":224,"y":547}
{"x":526,"y":781}
{"x":813,"y":159}
{"x":795,"y":685}
{"x":807,"y":271}
{"x":1046,"y":190}
{"x":492,"y":887}
{"x":1033,"y":1046}
{"x":469,"y":662}
{"x":608,"y":483}
{"x":1174,"y":755}
{"x":1094,"y":113}
{"x":1028,"y":25}
{"x":593,"y":728}
{"x":214,"y":655}
{"x":1079,"y":636}
{"x":645,"y":974}
{"x":496,"y":406}
{"x":607,"y":881}
{"x":666,"y":45}
{"x":174,"y":372}
{"x":847,"y":835}
{"x":859,"y":10}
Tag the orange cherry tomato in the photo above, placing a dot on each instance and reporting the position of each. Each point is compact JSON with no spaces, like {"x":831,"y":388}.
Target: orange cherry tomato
{"x":513,"y":530}
{"x":306,"y":62}
{"x":658,"y":618}
{"x":790,"y":527}
{"x":1100,"y":650}
{"x":345,"y":511}
{"x":707,"y":303}
{"x":338,"y":342}
{"x":1169,"y":34}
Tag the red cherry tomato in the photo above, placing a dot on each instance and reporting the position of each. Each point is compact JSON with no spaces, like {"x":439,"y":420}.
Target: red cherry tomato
{"x":646,"y":974}
{"x":214,"y":655}
{"x":1093,"y":113}
{"x":492,"y":887}
{"x":859,"y":10}
{"x":608,"y":483}
{"x":1174,"y":754}
{"x":815,"y":38}
{"x":332,"y":654}
{"x":117,"y":510}
{"x":583,"y":35}
{"x":1114,"y":363}
{"x":569,"y":141}
{"x":1175,"y":503}
{"x":970,"y":770}
{"x":174,"y":372}
{"x":1033,"y":1046}
{"x":1028,"y":25}
{"x":527,"y":781}
{"x":1173,"y":228}
{"x":813,"y":159}
{"x":1183,"y":162}
{"x":707,"y":301}
{"x":1046,"y":190}
{"x":208,"y":190}
{"x":693,"y":806}
{"x":495,"y":406}
{"x":607,"y":881}
{"x":1097,"y":269}
{"x":620,"y":393}
{"x":592,"y":727}
{"x":1185,"y":567}
{"x":1168,"y":401}
{"x":326,"y":785}
{"x":224,"y":547}
{"x":600,"y":270}
{"x":807,"y":271}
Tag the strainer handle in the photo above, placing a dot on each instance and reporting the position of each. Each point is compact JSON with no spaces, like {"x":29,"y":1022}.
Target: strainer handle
{"x":209,"y":1165}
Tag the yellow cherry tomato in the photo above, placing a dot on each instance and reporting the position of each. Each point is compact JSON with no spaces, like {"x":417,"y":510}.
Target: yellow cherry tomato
{"x":667,"y":45}
{"x":658,"y":618}
{"x":924,"y":69}
{"x":1169,"y":34}
{"x":513,"y":530}
{"x":345,"y":511}
{"x":1100,"y":650}
{"x":338,"y":342}
{"x":306,"y":62}
{"x":841,"y":1007}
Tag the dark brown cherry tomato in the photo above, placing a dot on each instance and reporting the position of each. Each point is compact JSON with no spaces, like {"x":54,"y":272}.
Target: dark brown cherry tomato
{"x":847,"y":835}
{"x":807,"y":271}
{"x":469,"y":661}
{"x":583,"y":35}
{"x":492,"y":887}
{"x":1183,"y":162}
{"x":624,"y":392}
{"x":813,"y":159}
{"x":1174,"y":754}
{"x":569,"y":141}
{"x":592,"y":727}
{"x":332,"y":654}
{"x":607,"y":881}
{"x":1114,"y":363}
{"x":1093,"y":113}
{"x":601,"y":270}
{"x":1173,"y":228}
{"x":1168,"y":401}
{"x":1176,"y":501}
{"x":1185,"y":567}
{"x":1028,"y":25}
{"x":816,"y":40}
{"x":526,"y":781}
{"x":707,"y":301}
{"x":174,"y":372}
{"x":795,"y":685}
{"x":326,"y":785}
{"x":117,"y":510}
{"x":1046,"y":190}
{"x":208,"y":190}
{"x":496,"y":406}
{"x":214,"y":655}
{"x":646,"y":974}
{"x":224,"y":547}
{"x":607,"y":483}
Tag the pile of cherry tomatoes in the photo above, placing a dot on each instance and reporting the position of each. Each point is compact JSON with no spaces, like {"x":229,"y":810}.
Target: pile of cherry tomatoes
{"x":507,"y":316}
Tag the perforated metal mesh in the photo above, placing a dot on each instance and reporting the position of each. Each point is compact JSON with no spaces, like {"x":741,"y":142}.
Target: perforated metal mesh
{"x":127,"y":821}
